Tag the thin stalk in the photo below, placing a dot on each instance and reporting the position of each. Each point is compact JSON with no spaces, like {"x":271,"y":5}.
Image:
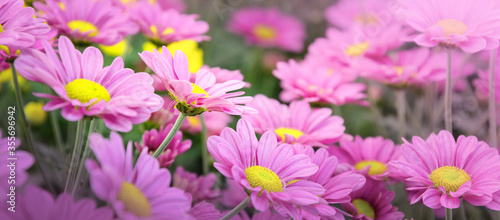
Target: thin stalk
{"x":25,"y":126}
{"x":401,"y":109}
{"x":77,"y":148}
{"x":204,"y":151}
{"x":461,"y":209}
{"x":236,"y":209}
{"x":86,"y":154}
{"x":170,"y":135}
{"x":448,"y":93}
{"x":492,"y":104}
{"x":56,"y":129}
{"x":449,"y":214}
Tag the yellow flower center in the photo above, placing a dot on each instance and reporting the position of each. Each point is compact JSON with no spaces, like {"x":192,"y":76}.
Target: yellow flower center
{"x":452,"y":26}
{"x":115,"y":50}
{"x":450,"y":177}
{"x":154,"y":30}
{"x":199,"y":90}
{"x":357,"y":49}
{"x":7,"y":50}
{"x":291,"y":131}
{"x":35,"y":113}
{"x":83,"y":27}
{"x":84,"y":90}
{"x":134,"y":200}
{"x":364,"y":207}
{"x":263,"y":177}
{"x":1,"y":28}
{"x":264,"y":32}
{"x":193,"y":121}
{"x":376,"y":167}
{"x":192,"y":51}
{"x":399,"y":70}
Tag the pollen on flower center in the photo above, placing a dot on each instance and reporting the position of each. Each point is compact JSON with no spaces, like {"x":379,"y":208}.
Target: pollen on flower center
{"x":357,"y":49}
{"x":83,"y":27}
{"x":376,"y":167}
{"x":85,"y":90}
{"x":291,"y":131}
{"x":364,"y":207}
{"x":134,"y":200}
{"x":264,"y":32}
{"x":450,"y":177}
{"x":263,"y":177}
{"x":199,"y":90}
{"x":452,"y":26}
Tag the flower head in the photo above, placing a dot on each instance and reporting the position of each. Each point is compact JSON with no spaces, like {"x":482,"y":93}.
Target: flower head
{"x":265,"y":168}
{"x":472,"y":25}
{"x":297,"y":123}
{"x":345,"y":13}
{"x":84,"y":88}
{"x":139,"y":191}
{"x":442,"y":171}
{"x":200,"y":187}
{"x":268,"y":28}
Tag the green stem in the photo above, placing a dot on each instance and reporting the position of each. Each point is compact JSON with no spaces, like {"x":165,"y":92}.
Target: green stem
{"x":236,"y":209}
{"x":86,"y":154}
{"x":170,"y":135}
{"x":449,"y":214}
{"x":25,"y":126}
{"x":400,"y":106}
{"x":204,"y":151}
{"x":80,"y":132}
{"x":56,"y":129}
{"x":447,"y":94}
{"x":492,"y":104}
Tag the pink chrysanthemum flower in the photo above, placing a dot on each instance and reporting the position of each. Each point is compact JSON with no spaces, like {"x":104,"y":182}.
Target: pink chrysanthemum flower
{"x":200,"y":187}
{"x":268,"y":28}
{"x":113,"y":93}
{"x":164,"y":27}
{"x":264,"y":168}
{"x":297,"y":123}
{"x":415,"y":67}
{"x":313,"y":84}
{"x":87,"y":21}
{"x":153,"y":138}
{"x":37,"y":204}
{"x":442,"y":171}
{"x":338,"y":187}
{"x":202,"y":95}
{"x":345,"y":13}
{"x":139,"y":191}
{"x":372,"y":202}
{"x":472,"y":25}
{"x":18,"y":28}
{"x":369,"y":156}
{"x":20,"y":161}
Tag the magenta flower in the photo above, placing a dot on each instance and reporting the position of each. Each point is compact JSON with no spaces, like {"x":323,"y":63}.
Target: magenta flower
{"x":115,"y":94}
{"x":373,"y":201}
{"x":369,"y":156}
{"x":204,"y":211}
{"x":202,"y":95}
{"x":37,"y":204}
{"x":468,"y":24}
{"x":268,"y":28}
{"x":87,"y":21}
{"x":18,"y":28}
{"x":164,"y":27}
{"x":200,"y":187}
{"x":315,"y":84}
{"x":139,"y":191}
{"x":264,"y":168}
{"x":442,"y":171}
{"x":233,"y":194}
{"x":21,"y":161}
{"x":153,"y":138}
{"x":297,"y":123}
{"x":345,"y":13}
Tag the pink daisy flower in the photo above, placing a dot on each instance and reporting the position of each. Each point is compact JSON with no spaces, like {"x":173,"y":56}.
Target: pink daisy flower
{"x":313,"y":84}
{"x":297,"y":123}
{"x":369,"y":156}
{"x":38,"y":204}
{"x":139,"y":191}
{"x":153,"y":138}
{"x":373,"y":201}
{"x":87,"y":21}
{"x":164,"y":27}
{"x":18,"y":28}
{"x":240,"y":156}
{"x":268,"y":28}
{"x":442,"y":171}
{"x":21,"y":161}
{"x":113,"y":93}
{"x":345,"y":13}
{"x":468,"y":24}
{"x":202,"y":95}
{"x":200,"y":187}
